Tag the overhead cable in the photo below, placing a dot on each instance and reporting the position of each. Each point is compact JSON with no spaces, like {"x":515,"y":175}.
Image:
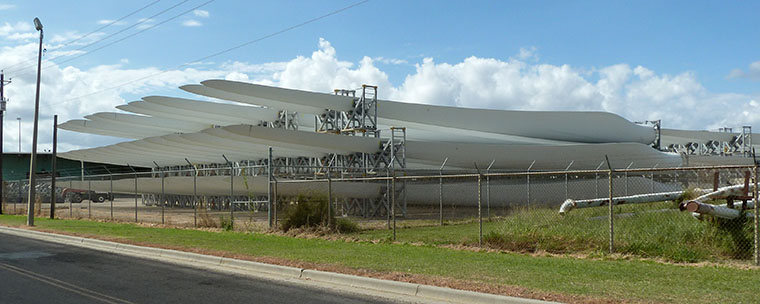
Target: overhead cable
{"x":228,"y":49}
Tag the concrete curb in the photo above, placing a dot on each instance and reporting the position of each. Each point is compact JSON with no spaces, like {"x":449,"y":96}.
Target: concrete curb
{"x":409,"y":289}
{"x":413,"y":290}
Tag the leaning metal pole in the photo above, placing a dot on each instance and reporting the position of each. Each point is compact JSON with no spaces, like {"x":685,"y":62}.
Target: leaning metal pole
{"x":32,"y":160}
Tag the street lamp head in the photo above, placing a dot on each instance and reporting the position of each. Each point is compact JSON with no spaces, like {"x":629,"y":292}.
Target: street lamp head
{"x":37,"y":24}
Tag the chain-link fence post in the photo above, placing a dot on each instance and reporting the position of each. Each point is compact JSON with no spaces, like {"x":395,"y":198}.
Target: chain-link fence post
{"x":195,"y":197}
{"x":611,"y":213}
{"x":757,"y":216}
{"x":110,"y":194}
{"x":440,"y":192}
{"x":440,"y":198}
{"x":135,"y":193}
{"x":329,"y":198}
{"x":269,"y":189}
{"x":393,"y":202}
{"x":53,"y":166}
{"x":232,"y":195}
{"x":480,"y":214}
{"x":71,"y":207}
{"x":89,"y":198}
{"x":275,"y":203}
{"x":488,"y":190}
{"x":527,"y":180}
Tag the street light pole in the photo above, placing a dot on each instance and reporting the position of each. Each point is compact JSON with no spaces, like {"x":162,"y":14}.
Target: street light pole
{"x":33,"y":157}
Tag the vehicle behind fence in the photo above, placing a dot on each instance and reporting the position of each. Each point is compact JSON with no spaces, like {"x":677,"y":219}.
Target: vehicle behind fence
{"x":675,"y":214}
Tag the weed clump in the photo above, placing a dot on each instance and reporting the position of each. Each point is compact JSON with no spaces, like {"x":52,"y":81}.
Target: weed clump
{"x":307,"y":212}
{"x":312,"y":212}
{"x":733,"y":236}
{"x":226,"y":224}
{"x":343,"y":225}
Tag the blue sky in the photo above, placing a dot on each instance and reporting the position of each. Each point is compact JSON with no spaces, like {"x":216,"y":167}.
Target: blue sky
{"x":700,"y":53}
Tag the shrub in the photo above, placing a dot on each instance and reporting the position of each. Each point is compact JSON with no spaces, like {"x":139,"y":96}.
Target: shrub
{"x":204,"y":219}
{"x":226,"y":224}
{"x":306,"y":212}
{"x":343,"y":225}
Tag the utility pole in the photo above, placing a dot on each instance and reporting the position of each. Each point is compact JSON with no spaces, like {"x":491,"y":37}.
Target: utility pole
{"x":2,"y":113}
{"x":33,"y":156}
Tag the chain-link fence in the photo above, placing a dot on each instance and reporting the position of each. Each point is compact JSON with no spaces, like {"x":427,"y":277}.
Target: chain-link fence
{"x":676,"y":214}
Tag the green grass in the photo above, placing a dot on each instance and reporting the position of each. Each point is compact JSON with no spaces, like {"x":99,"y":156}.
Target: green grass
{"x":656,"y":230}
{"x":613,"y":279}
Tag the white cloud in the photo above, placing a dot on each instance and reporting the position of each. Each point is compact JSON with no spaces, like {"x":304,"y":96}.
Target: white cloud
{"x":636,"y":93}
{"x":528,"y":53}
{"x":752,"y":72}
{"x":9,"y":29}
{"x":393,"y":61}
{"x":60,"y":84}
{"x":22,"y":36}
{"x":6,"y":6}
{"x":201,"y":13}
{"x":191,"y":23}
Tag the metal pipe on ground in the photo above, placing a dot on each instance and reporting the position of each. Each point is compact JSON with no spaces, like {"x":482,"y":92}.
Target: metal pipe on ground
{"x":720,"y":211}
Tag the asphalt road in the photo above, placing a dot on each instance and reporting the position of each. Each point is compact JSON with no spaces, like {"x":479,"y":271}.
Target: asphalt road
{"x":33,"y":271}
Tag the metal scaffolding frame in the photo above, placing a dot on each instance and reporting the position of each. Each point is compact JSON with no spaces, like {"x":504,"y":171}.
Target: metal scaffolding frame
{"x":360,"y":121}
{"x":739,"y":144}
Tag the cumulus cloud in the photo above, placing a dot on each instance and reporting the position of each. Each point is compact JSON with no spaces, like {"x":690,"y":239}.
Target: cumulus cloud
{"x":636,"y":93}
{"x":752,"y":72}
{"x":62,"y":85}
{"x":515,"y":83}
{"x":22,"y":36}
{"x":201,"y":13}
{"x":191,"y":23}
{"x":9,"y":29}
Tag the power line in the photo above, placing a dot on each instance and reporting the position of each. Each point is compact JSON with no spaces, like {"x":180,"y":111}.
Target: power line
{"x":116,"y":33}
{"x":112,"y":22}
{"x":137,"y":33}
{"x":95,"y":31}
{"x":228,"y":50}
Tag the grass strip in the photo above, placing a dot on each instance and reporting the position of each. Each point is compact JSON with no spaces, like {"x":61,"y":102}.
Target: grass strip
{"x":655,"y":230}
{"x":610,"y":279}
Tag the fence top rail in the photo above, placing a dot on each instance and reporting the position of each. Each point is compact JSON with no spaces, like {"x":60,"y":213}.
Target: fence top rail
{"x":513,"y":174}
{"x":433,"y":175}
